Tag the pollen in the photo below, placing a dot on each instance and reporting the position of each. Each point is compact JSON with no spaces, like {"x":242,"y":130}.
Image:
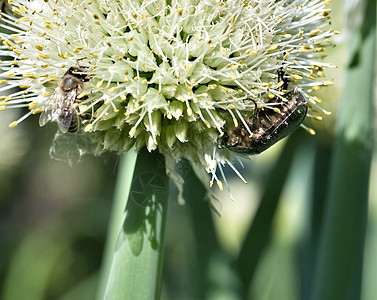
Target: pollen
{"x":63,"y":55}
{"x":45,"y":56}
{"x":220,"y":185}
{"x":302,"y":50}
{"x":235,"y":122}
{"x":37,"y":111}
{"x":30,"y":75}
{"x":315,"y":32}
{"x":252,"y":53}
{"x":17,"y":11}
{"x":48,"y":26}
{"x":132,"y":131}
{"x":272,"y":48}
{"x":326,"y":12}
{"x":13,"y":124}
{"x":32,"y":105}
{"x":88,"y":128}
{"x":38,"y":47}
{"x":296,"y":77}
{"x":311,"y":131}
{"x":18,"y":51}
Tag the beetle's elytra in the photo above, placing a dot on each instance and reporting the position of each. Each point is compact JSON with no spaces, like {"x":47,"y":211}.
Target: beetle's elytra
{"x":267,"y":126}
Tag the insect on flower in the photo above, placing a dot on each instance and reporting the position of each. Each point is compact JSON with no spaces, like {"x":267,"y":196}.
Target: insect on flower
{"x":167,"y":75}
{"x":62,"y":106}
{"x":267,"y":126}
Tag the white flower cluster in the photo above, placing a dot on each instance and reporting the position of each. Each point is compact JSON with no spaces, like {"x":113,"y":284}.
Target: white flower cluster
{"x":167,"y":75}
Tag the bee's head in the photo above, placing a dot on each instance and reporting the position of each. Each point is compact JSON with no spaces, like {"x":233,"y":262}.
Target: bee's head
{"x":79,"y":72}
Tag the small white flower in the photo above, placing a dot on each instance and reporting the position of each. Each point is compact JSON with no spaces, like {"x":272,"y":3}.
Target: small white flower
{"x":171,"y":76}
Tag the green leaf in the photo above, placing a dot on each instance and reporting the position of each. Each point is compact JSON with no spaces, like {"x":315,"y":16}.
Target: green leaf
{"x":341,"y":248}
{"x":29,"y":278}
{"x":317,"y":202}
{"x":213,"y":276}
{"x":259,"y":234}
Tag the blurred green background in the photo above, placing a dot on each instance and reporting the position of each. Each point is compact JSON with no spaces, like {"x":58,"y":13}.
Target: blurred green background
{"x":54,"y":217}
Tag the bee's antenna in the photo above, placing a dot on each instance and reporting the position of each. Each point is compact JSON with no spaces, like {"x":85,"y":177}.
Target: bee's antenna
{"x":82,"y":58}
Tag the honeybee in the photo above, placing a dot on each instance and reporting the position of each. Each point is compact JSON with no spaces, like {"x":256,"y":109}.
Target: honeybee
{"x":62,"y":106}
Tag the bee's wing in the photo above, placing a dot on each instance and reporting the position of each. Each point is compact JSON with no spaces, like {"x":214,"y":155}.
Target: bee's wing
{"x":66,"y":110}
{"x":50,"y":111}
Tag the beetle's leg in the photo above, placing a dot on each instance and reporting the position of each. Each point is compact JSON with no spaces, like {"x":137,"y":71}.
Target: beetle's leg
{"x":256,"y":113}
{"x":285,"y":80}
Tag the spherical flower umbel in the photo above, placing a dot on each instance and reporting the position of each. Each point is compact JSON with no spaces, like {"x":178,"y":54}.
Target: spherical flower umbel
{"x":172,"y":76}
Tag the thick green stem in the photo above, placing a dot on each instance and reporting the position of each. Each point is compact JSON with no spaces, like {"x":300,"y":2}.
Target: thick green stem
{"x":136,"y":269}
{"x":126,"y":170}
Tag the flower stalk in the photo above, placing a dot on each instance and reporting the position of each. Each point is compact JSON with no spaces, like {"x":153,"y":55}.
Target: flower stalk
{"x":122,"y":192}
{"x":136,"y":267}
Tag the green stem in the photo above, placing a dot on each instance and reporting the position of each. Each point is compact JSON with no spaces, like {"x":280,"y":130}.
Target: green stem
{"x":341,"y":246}
{"x":126,"y":170}
{"x":136,"y":269}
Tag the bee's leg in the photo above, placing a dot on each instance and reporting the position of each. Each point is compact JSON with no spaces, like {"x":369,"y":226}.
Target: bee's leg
{"x":83,"y":97}
{"x":87,"y":79}
{"x":83,"y":116}
{"x":86,"y":116}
